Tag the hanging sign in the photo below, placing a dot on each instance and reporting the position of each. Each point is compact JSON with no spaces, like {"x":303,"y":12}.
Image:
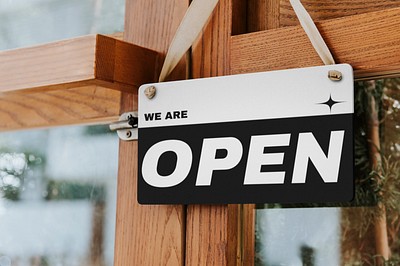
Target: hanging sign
{"x":274,"y":137}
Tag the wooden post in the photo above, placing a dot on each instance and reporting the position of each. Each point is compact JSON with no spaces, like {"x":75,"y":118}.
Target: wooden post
{"x":212,"y":230}
{"x":147,"y":235}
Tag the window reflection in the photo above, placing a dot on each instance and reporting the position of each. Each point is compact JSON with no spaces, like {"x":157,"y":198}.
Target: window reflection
{"x":363,"y":232}
{"x":30,"y":22}
{"x":298,"y":236}
{"x":58,"y":196}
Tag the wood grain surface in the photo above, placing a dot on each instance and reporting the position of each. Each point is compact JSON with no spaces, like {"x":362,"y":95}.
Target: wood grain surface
{"x":123,"y":64}
{"x":263,"y":15}
{"x":259,"y":15}
{"x":330,"y":9}
{"x":369,"y":42}
{"x":74,"y":81}
{"x":147,"y":235}
{"x":82,"y":61}
{"x":49,"y":64}
{"x":83,"y":105}
{"x":212,"y":230}
{"x":208,"y":235}
{"x":248,"y":233}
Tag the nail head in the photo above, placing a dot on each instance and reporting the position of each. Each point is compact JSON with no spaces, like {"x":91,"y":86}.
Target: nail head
{"x":335,"y":75}
{"x":150,"y":92}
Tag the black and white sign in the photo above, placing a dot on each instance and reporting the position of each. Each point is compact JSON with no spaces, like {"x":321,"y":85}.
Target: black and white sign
{"x":281,"y":137}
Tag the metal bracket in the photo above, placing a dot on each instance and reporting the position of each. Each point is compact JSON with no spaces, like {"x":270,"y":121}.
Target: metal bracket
{"x":127,"y":126}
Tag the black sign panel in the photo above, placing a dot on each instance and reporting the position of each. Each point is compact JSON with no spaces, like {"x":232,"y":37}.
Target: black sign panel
{"x":227,"y":184}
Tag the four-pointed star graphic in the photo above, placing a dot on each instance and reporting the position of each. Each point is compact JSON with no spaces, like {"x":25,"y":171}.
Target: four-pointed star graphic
{"x":330,"y":102}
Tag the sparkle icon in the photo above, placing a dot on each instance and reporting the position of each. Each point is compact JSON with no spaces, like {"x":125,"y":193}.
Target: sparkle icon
{"x":330,"y":102}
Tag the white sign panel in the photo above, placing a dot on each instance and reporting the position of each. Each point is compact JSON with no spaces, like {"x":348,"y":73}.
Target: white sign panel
{"x":282,"y":136}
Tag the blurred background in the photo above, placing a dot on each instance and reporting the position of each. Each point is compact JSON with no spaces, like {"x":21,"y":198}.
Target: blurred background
{"x":57,"y":186}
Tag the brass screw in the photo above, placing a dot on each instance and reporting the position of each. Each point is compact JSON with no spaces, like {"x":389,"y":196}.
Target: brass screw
{"x":335,"y":75}
{"x":150,"y":92}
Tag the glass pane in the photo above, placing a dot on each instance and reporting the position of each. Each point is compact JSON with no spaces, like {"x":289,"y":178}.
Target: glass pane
{"x":58,"y":196}
{"x":58,"y":186}
{"x":298,"y":236}
{"x":363,"y":232}
{"x":30,"y":22}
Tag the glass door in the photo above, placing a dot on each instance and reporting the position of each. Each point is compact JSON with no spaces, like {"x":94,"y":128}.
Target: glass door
{"x":355,"y":233}
{"x":58,"y":196}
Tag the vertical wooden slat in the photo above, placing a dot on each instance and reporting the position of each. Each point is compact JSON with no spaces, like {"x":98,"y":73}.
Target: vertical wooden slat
{"x":248,"y":233}
{"x":212,"y":230}
{"x":262,"y":15}
{"x":239,"y":17}
{"x":210,"y":56}
{"x":207,"y":235}
{"x":147,"y":235}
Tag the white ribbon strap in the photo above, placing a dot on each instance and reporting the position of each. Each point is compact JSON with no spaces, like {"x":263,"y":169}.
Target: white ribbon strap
{"x":196,"y":17}
{"x":192,"y":23}
{"x":312,"y":32}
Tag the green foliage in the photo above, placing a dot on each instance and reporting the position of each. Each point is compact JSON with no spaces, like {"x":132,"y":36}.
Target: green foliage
{"x":11,"y":192}
{"x":379,"y":184}
{"x":13,"y":169}
{"x":67,"y":190}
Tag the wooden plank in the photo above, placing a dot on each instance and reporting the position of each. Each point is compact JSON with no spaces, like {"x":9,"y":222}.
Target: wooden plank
{"x":239,"y":17}
{"x":262,"y":15}
{"x":208,"y":229}
{"x":330,"y":9}
{"x":212,"y":230}
{"x":210,"y":56}
{"x":369,"y":42}
{"x":147,"y":235}
{"x":152,"y":24}
{"x":124,"y":64}
{"x":116,"y":35}
{"x":248,"y":233}
{"x":88,"y":60}
{"x":83,"y":105}
{"x":200,"y":219}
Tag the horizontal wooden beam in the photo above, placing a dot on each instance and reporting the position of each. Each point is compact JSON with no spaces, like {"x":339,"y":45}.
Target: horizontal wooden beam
{"x":89,"y":60}
{"x":76,"y":81}
{"x":369,"y":42}
{"x":330,"y":9}
{"x":37,"y":109}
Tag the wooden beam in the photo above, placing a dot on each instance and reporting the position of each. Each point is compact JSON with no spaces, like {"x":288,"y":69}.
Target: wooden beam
{"x":147,"y":235}
{"x":90,"y":60}
{"x":330,"y":9}
{"x":83,"y":105}
{"x":75,"y":81}
{"x":212,"y":231}
{"x":350,"y":40}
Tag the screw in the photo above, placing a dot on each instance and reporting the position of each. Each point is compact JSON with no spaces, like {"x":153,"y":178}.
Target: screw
{"x":335,"y":75}
{"x":128,"y":134}
{"x":150,"y":92}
